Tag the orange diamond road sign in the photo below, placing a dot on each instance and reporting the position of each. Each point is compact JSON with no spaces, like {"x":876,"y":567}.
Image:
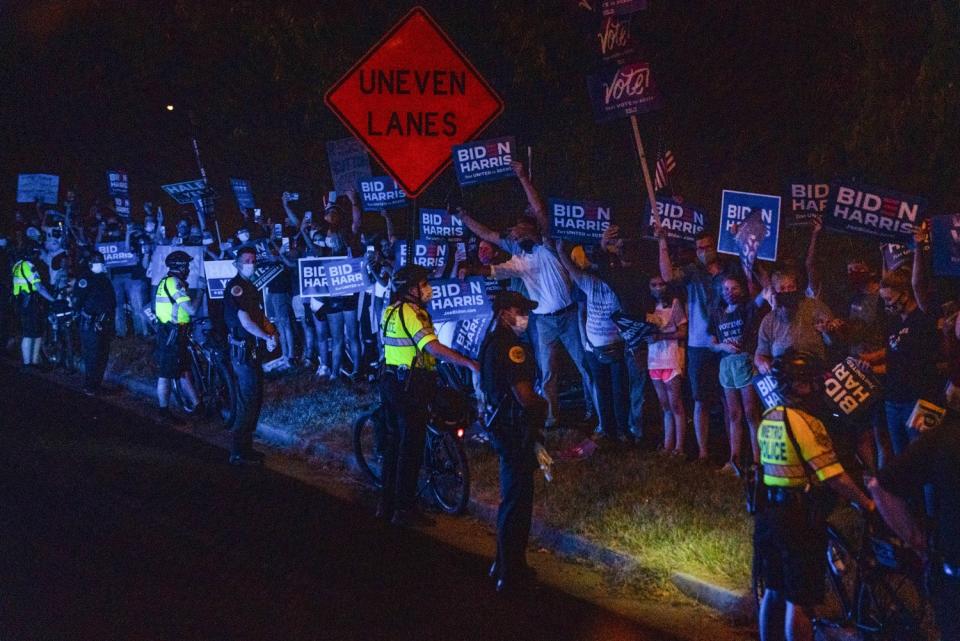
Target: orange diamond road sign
{"x":411,"y":98}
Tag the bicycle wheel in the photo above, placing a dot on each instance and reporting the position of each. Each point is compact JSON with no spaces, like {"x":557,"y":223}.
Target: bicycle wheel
{"x":368,"y":445}
{"x":842,"y":573}
{"x":448,"y":471}
{"x":891,"y":607}
{"x":188,"y":407}
{"x":220,"y":398}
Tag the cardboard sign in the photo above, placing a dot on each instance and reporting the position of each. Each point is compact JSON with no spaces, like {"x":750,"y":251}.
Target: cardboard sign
{"x":747,"y":237}
{"x":680,"y":221}
{"x":349,"y":163}
{"x":766,"y":387}
{"x":455,"y":299}
{"x":896,"y":256}
{"x":412,"y":98}
{"x":31,"y":187}
{"x":849,"y":390}
{"x":157,"y":270}
{"x":578,"y":221}
{"x":117,"y":255}
{"x":219,"y":273}
{"x":615,"y":38}
{"x":622,"y":91}
{"x":381,"y":193}
{"x":469,"y":334}
{"x":865,"y":210}
{"x":484,"y":161}
{"x":426,"y":253}
{"x":118,"y":183}
{"x":945,"y":238}
{"x":331,"y":276}
{"x":806,"y":200}
{"x":189,"y":192}
{"x":243,"y":193}
{"x":441,"y":225}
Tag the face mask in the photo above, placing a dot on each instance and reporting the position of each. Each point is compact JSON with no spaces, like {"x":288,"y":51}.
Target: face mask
{"x":246,"y":269}
{"x":789,"y":300}
{"x":33,"y":233}
{"x":52,"y":245}
{"x":96,"y":268}
{"x":207,"y":240}
{"x":520,"y":324}
{"x":731,"y":299}
{"x":527,"y":246}
{"x":243,"y":237}
{"x":706,"y":256}
{"x":150,"y":227}
{"x":183,"y":231}
{"x":426,"y":293}
{"x":896,"y":307}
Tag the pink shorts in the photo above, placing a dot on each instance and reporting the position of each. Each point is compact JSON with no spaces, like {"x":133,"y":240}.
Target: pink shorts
{"x":664,"y":375}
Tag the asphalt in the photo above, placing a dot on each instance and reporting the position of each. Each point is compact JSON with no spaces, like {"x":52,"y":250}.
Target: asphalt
{"x":114,"y":527}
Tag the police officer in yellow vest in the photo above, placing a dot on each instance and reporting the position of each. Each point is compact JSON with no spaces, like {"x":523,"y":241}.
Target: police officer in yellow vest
{"x":790,"y":535}
{"x":27,"y":291}
{"x":410,"y":349}
{"x":174,"y":309}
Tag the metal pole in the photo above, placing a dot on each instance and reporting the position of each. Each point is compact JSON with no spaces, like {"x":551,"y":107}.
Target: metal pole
{"x":643,"y":166}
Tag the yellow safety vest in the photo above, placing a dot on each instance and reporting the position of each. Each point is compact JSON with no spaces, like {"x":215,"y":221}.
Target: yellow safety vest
{"x":783,"y":466}
{"x":171,"y":296}
{"x":406,"y":329}
{"x":25,"y":278}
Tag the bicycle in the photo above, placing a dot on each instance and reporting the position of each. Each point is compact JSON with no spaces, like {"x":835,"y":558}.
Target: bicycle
{"x":213,"y":381}
{"x":60,"y":337}
{"x":447,"y":471}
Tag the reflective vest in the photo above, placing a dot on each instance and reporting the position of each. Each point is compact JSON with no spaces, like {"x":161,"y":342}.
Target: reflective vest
{"x":25,"y":278}
{"x":783,"y":466}
{"x":406,"y":329}
{"x":171,"y":296}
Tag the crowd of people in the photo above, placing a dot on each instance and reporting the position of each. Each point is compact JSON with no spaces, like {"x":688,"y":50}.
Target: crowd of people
{"x":713,"y":323}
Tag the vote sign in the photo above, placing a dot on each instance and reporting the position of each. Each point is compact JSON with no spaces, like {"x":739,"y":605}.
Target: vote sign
{"x":331,"y":276}
{"x":484,"y":161}
{"x":744,"y":236}
{"x":117,"y":254}
{"x":441,"y":225}
{"x":849,"y":390}
{"x":411,"y":98}
{"x":623,"y":90}
{"x":578,"y":221}
{"x":455,"y":299}
{"x":190,"y":191}
{"x":382,"y":192}
{"x":679,"y":221}
{"x":866,"y":210}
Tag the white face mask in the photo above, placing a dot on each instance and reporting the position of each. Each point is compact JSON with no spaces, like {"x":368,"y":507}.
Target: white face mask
{"x":426,"y":293}
{"x":246,"y":269}
{"x":150,"y":227}
{"x":243,"y":237}
{"x":520,"y":324}
{"x":96,"y":268}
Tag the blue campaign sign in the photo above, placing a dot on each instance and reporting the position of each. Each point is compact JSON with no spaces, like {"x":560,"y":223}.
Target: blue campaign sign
{"x":331,"y":276}
{"x":455,"y":299}
{"x":117,"y":254}
{"x":121,"y":205}
{"x":768,"y":391}
{"x":578,"y":221}
{"x":42,"y":187}
{"x":426,"y":253}
{"x":865,"y":210}
{"x":382,"y":192}
{"x":190,"y":191}
{"x":680,"y":221}
{"x":243,"y":193}
{"x":349,"y":163}
{"x":441,"y":225}
{"x":622,"y":91}
{"x":469,"y":334}
{"x":946,"y":245}
{"x":895,"y":256}
{"x":218,"y":273}
{"x":484,"y":160}
{"x":747,"y":236}
{"x":118,"y":183}
{"x":806,"y":199}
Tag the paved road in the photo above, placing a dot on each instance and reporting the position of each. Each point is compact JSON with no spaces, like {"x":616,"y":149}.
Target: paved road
{"x":112,"y":527}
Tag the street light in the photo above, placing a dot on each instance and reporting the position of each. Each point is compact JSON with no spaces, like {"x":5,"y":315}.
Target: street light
{"x":169,"y":107}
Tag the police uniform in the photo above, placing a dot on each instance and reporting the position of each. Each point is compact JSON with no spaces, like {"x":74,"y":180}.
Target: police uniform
{"x":96,"y":305}
{"x":241,"y":295}
{"x":26,"y":280}
{"x":790,"y":529}
{"x":504,"y":362}
{"x":173,"y":331}
{"x":406,"y":388}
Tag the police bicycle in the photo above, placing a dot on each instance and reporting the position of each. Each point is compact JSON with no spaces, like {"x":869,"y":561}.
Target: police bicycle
{"x":60,"y":336}
{"x":446,"y":472}
{"x":213,"y":381}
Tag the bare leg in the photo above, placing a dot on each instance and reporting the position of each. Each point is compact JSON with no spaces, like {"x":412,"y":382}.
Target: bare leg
{"x":701,"y":425}
{"x":669,"y":429}
{"x":751,"y":410}
{"x":734,"y":411}
{"x":675,"y":394}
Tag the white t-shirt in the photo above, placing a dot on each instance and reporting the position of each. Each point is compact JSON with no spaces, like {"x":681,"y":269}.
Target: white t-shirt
{"x":601,"y":304}
{"x":542,"y":274}
{"x":666,"y":354}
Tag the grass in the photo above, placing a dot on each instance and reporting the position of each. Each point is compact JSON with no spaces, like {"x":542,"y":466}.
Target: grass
{"x":671,"y":516}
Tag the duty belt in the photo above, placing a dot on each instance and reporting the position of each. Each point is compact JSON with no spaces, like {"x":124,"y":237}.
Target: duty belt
{"x":785,"y":495}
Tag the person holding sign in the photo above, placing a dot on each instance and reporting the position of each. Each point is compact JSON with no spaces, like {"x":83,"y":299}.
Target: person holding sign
{"x":27,"y":291}
{"x":407,"y":383}
{"x":96,"y":305}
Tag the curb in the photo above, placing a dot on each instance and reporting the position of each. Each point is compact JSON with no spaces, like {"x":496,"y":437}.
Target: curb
{"x":738,"y":606}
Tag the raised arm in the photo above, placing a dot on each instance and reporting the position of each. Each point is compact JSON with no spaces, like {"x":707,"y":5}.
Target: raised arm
{"x":357,"y":216}
{"x":814,"y":281}
{"x":480,"y":230}
{"x":533,"y":198}
{"x":919,"y":281}
{"x":666,"y":266}
{"x":292,"y":217}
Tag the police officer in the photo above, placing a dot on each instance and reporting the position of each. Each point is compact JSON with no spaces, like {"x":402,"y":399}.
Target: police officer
{"x":96,"y":304}
{"x":246,"y":322}
{"x":411,"y":350}
{"x":790,"y":531}
{"x":28,"y":288}
{"x":174,"y":309}
{"x":516,"y":415}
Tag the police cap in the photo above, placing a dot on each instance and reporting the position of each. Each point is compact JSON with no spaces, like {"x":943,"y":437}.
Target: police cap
{"x":178,"y":259}
{"x":409,"y":275}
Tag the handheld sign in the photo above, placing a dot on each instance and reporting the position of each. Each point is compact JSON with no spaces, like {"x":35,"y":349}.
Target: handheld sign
{"x":767,"y":390}
{"x":744,"y":236}
{"x":189,"y":192}
{"x":624,"y":90}
{"x":882,"y":214}
{"x":621,"y":7}
{"x":469,"y":334}
{"x":945,"y":238}
{"x":896,"y":256}
{"x":412,"y":98}
{"x":219,"y":273}
{"x":441,"y":225}
{"x":680,"y":221}
{"x":349,"y":163}
{"x":633,"y":330}
{"x":455,"y":299}
{"x":243,"y":193}
{"x":381,"y":193}
{"x":849,"y":390}
{"x":806,"y":200}
{"x":31,"y":187}
{"x":117,"y":254}
{"x":331,"y":276}
{"x":578,"y":221}
{"x":426,"y":253}
{"x":484,"y":161}
{"x":118,"y":183}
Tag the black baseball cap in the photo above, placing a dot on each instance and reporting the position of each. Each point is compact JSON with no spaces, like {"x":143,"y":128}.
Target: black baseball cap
{"x":507,"y":299}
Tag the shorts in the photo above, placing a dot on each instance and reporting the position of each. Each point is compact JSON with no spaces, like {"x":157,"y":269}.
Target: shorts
{"x":736,"y":371}
{"x":702,"y":368}
{"x":337,"y":304}
{"x":790,"y":542}
{"x":31,"y":322}
{"x":664,"y":375}
{"x":171,"y":360}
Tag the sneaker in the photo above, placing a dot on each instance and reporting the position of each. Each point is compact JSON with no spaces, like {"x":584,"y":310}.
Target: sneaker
{"x":731,"y":468}
{"x":323,"y":372}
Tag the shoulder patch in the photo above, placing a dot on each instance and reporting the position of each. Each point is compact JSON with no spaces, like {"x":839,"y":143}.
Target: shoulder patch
{"x":236,"y":290}
{"x":82,"y":282}
{"x":517,"y":355}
